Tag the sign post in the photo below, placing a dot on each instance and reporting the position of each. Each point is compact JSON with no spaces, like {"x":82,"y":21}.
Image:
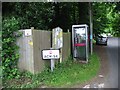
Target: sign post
{"x":55,"y":52}
{"x":57,"y":44}
{"x":52,"y":63}
{"x":57,"y":40}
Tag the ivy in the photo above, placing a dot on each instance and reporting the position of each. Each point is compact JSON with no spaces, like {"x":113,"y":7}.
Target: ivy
{"x":10,"y":54}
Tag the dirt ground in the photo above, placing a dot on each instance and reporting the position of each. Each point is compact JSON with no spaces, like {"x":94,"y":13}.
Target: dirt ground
{"x":101,"y":51}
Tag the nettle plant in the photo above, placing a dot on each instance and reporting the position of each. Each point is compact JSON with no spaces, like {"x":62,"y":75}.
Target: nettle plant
{"x":10,"y":55}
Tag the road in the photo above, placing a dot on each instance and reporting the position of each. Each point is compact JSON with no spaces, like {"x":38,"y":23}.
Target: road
{"x":112,"y":52}
{"x":108,"y":75}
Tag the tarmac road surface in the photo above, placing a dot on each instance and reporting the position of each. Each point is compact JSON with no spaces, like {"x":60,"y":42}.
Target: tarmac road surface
{"x":109,"y":67}
{"x":112,"y":52}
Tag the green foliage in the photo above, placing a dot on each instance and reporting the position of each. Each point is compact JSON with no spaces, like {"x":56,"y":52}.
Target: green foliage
{"x":65,"y":74}
{"x":45,"y":16}
{"x":31,"y":14}
{"x":116,"y":27}
{"x":10,"y":53}
{"x":100,"y":11}
{"x":0,"y":76}
{"x":116,"y":23}
{"x":106,"y":18}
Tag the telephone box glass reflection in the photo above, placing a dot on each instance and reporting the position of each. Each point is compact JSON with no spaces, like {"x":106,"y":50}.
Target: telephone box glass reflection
{"x":80,"y":42}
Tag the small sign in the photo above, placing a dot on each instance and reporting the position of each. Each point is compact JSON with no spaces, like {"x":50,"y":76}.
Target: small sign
{"x":28,"y":32}
{"x":50,"y":54}
{"x":30,"y":43}
{"x":91,"y":37}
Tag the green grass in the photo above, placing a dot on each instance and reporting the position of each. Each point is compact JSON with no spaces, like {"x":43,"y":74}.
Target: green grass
{"x":0,"y":76}
{"x":73,"y":72}
{"x":65,"y":74}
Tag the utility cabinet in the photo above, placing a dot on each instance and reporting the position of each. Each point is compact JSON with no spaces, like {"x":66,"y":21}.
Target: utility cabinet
{"x":31,"y":44}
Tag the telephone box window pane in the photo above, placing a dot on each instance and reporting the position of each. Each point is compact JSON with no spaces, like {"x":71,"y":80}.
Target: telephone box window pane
{"x":80,"y":42}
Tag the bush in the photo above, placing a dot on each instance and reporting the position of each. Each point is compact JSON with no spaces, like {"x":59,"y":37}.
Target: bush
{"x":10,"y":54}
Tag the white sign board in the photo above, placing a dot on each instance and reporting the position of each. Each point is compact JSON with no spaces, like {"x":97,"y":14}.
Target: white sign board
{"x":57,"y":37}
{"x":50,"y":54}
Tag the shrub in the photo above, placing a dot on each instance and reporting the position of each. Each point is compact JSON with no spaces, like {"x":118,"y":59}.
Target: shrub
{"x":10,"y":54}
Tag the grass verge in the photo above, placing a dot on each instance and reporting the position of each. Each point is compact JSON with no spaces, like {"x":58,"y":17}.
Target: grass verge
{"x":65,"y":74}
{"x":0,"y":77}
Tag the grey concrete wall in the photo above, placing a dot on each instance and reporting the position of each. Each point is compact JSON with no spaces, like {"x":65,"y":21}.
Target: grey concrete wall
{"x":26,"y":53}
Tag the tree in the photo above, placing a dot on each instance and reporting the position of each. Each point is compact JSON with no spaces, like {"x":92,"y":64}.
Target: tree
{"x":104,"y":18}
{"x":83,"y":10}
{"x":116,"y":23}
{"x":31,"y":14}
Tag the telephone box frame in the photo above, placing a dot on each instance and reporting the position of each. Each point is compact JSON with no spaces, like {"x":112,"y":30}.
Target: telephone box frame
{"x":87,"y":42}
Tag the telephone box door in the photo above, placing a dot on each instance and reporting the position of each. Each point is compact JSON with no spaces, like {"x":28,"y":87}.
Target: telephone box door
{"x":80,"y":42}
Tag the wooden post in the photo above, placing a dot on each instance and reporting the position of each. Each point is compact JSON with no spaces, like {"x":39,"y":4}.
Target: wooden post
{"x":60,"y":55}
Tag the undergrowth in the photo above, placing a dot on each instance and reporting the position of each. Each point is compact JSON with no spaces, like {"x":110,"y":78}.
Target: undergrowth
{"x":66,"y":74}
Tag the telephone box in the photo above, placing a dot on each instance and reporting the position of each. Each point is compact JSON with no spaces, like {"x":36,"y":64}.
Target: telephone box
{"x":80,"y":42}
